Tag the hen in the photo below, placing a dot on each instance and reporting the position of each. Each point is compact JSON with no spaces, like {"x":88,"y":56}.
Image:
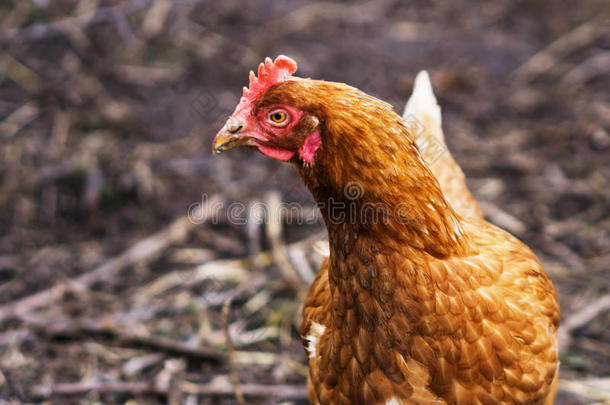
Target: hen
{"x":421,"y":300}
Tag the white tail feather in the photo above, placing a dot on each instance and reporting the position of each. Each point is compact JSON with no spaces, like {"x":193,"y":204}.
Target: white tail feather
{"x":423,"y":105}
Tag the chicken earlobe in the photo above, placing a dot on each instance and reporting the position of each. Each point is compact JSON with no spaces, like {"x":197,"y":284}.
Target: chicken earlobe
{"x":308,"y":150}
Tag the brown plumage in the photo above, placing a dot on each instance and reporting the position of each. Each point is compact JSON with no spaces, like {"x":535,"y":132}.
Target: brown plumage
{"x":421,"y":300}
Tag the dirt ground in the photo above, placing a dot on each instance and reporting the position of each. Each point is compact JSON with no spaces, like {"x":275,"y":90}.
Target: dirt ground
{"x":119,"y":284}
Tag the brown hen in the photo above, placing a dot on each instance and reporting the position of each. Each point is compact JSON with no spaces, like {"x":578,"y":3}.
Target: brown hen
{"x":421,"y":300}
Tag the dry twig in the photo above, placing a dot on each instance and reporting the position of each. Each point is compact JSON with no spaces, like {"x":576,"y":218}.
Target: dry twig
{"x":581,"y":318}
{"x":144,"y":250}
{"x":546,"y":58}
{"x":274,"y":234}
{"x":119,"y":335}
{"x":231,"y":351}
{"x":595,"y":388}
{"x":288,"y":392}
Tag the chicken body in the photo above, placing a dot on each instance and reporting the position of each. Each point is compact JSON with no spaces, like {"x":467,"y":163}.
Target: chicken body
{"x":421,"y":300}
{"x":478,"y":329}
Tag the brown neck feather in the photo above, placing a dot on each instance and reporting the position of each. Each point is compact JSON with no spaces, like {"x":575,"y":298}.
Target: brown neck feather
{"x":383,"y":208}
{"x":369,"y":179}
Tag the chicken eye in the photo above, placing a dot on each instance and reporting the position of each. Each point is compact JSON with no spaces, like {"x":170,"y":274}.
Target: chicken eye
{"x":277,"y":117}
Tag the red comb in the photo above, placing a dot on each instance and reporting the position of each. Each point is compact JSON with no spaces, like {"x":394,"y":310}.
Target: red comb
{"x":269,"y":73}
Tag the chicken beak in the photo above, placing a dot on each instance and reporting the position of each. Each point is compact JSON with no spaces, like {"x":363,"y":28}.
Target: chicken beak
{"x":225,"y":141}
{"x":229,"y":137}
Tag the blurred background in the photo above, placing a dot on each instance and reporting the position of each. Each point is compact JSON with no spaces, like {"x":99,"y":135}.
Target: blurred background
{"x":137,"y":268}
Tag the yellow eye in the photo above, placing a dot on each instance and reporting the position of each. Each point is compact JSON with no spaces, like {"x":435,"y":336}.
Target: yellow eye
{"x":277,"y":117}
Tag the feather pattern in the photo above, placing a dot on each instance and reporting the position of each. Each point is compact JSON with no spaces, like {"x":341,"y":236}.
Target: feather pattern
{"x":472,"y":322}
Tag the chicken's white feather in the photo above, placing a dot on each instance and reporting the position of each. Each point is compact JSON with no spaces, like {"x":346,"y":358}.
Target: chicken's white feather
{"x":317,"y":330}
{"x":422,"y":102}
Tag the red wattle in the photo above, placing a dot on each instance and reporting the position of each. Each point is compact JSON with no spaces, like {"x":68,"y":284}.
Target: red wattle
{"x":276,"y":153}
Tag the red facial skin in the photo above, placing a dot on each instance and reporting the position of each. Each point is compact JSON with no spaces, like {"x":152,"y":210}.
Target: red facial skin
{"x":293,"y":115}
{"x":262,"y":129}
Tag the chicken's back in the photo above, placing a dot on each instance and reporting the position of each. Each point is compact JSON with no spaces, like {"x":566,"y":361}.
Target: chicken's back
{"x":493,"y":328}
{"x":424,"y":113}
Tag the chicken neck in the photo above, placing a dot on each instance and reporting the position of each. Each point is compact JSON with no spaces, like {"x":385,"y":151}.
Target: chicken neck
{"x":385,"y":212}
